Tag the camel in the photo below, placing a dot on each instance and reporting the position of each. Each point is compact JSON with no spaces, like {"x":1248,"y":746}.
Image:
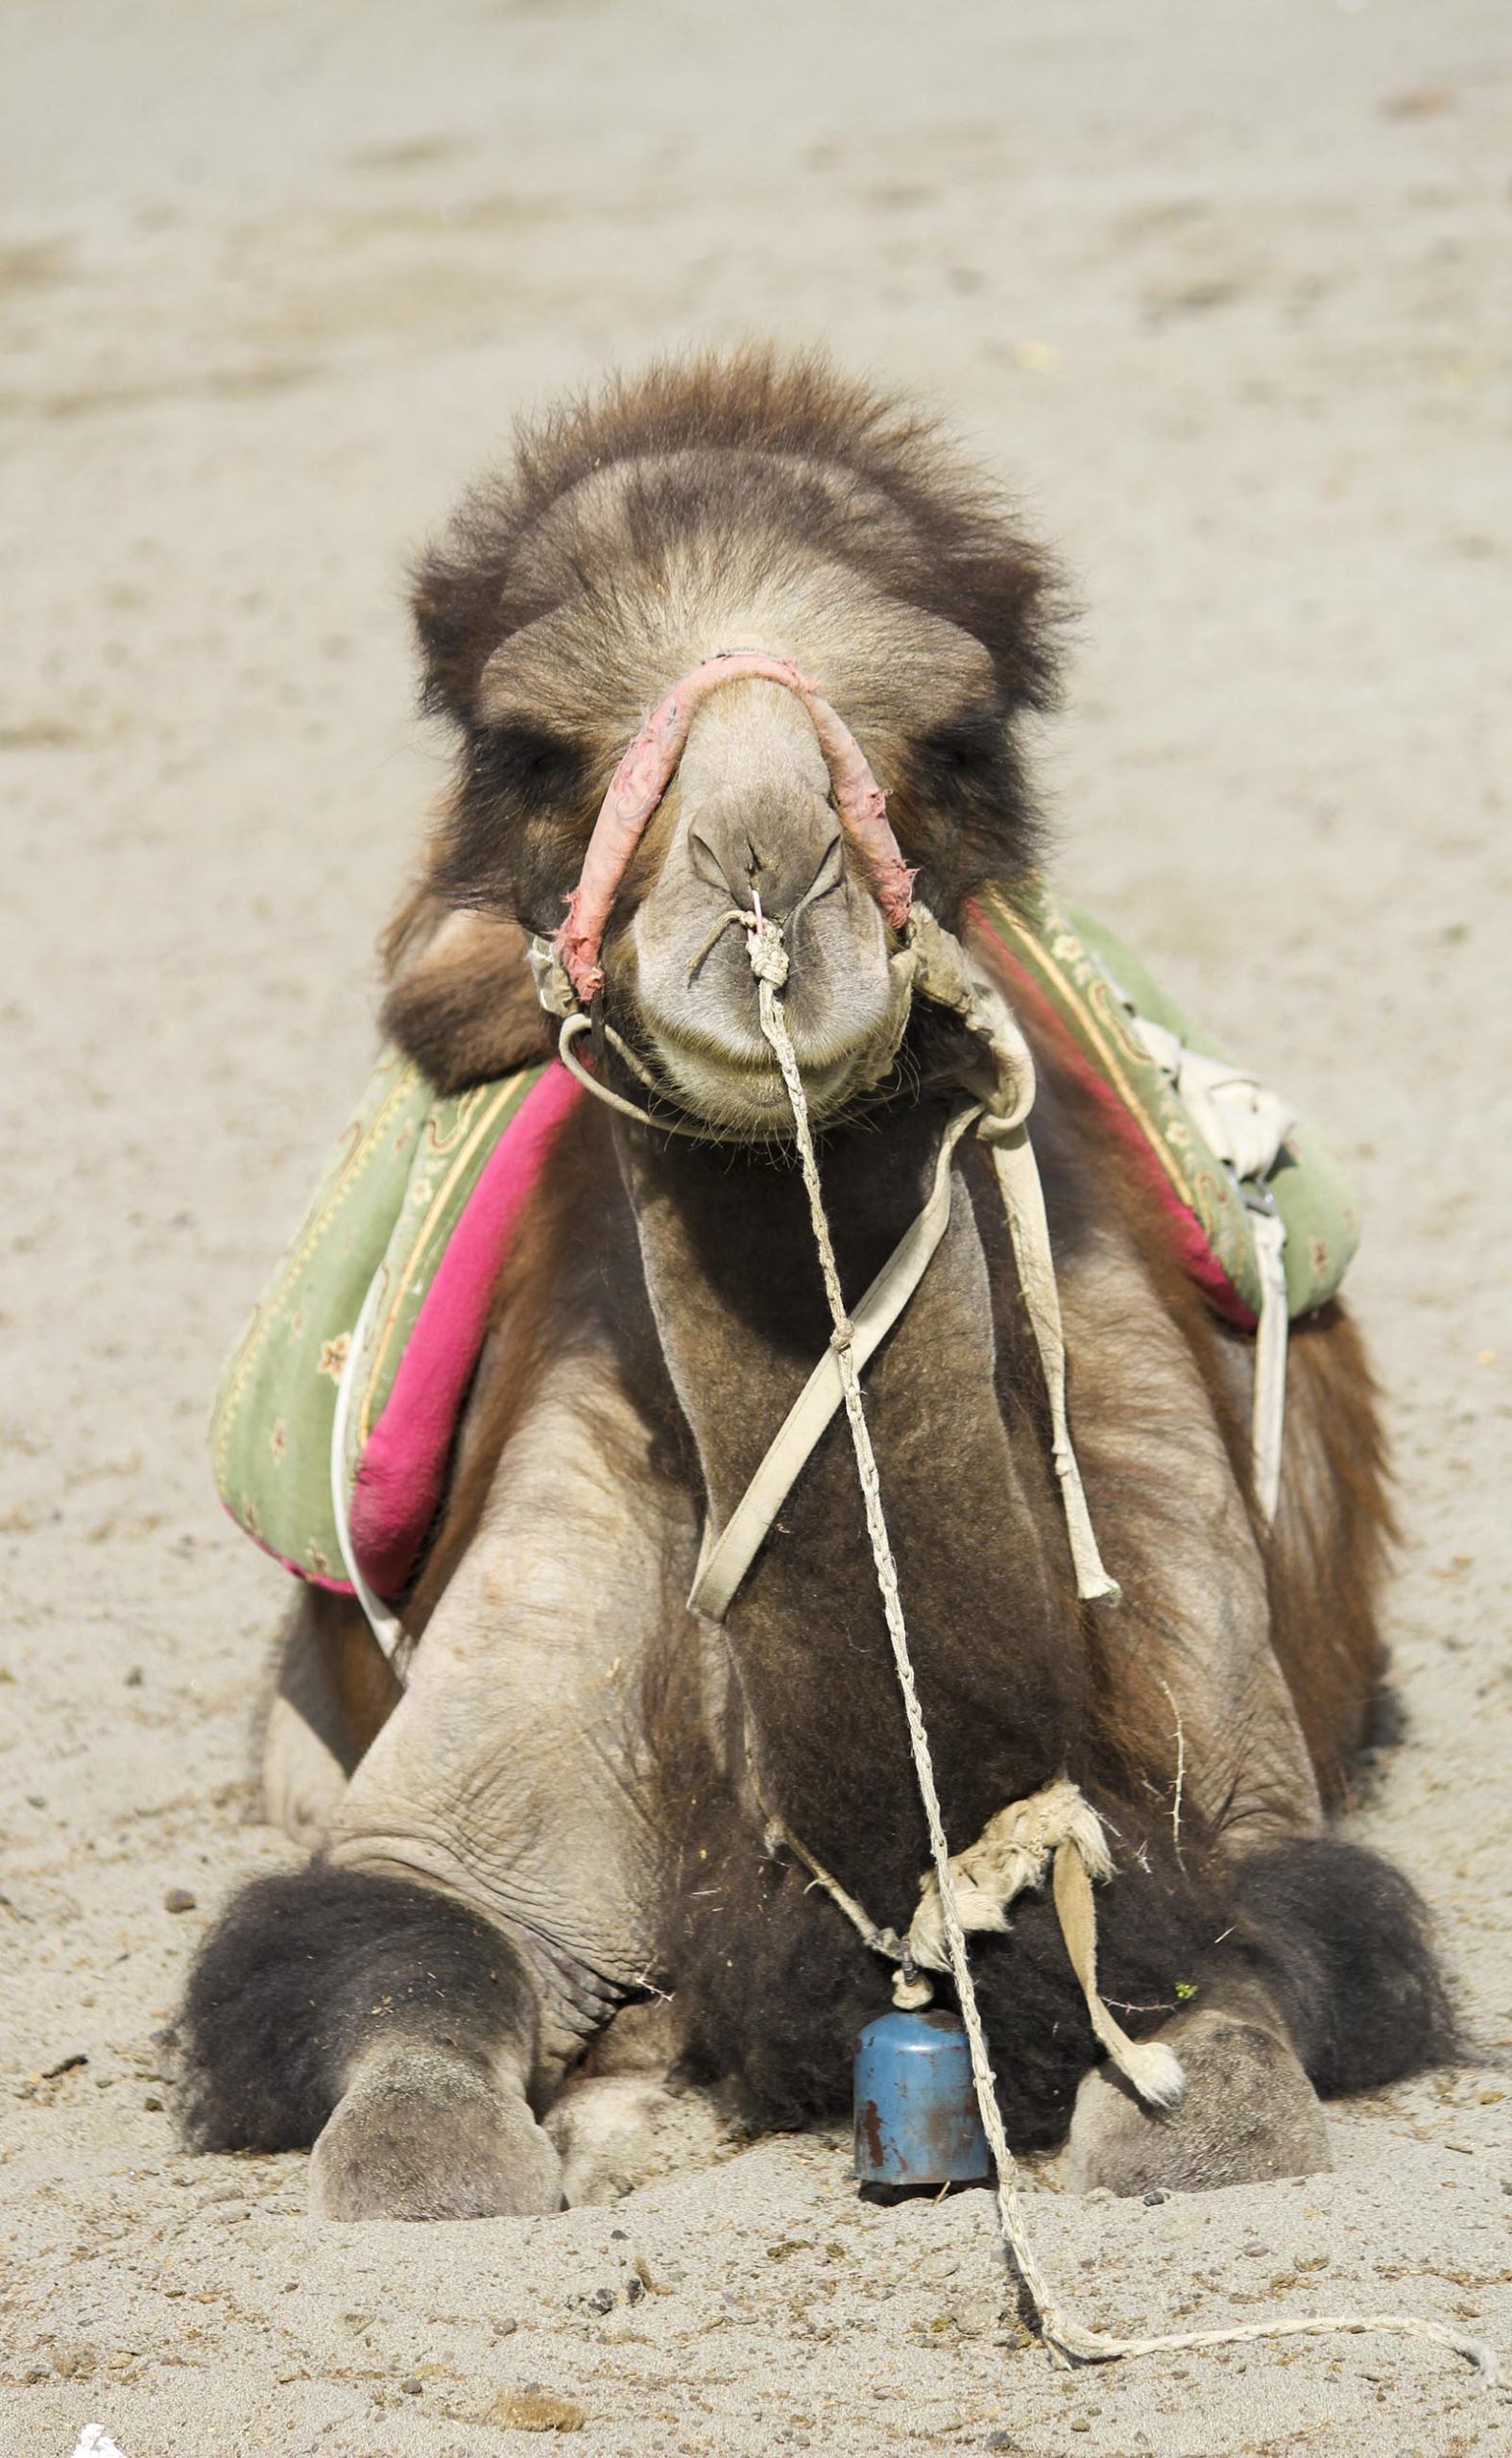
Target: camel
{"x":551,"y":1859}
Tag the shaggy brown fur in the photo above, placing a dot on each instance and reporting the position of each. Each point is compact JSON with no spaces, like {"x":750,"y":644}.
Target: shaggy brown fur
{"x":754,"y":469}
{"x":763,"y":499}
{"x":461,"y":1002}
{"x":1333,"y":1535}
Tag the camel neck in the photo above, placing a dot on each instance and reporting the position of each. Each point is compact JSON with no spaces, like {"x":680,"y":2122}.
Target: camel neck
{"x":732,"y":1274}
{"x":734,"y":1286}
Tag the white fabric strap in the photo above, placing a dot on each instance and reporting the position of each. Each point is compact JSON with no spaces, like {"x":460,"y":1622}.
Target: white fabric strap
{"x":386,"y":1626}
{"x":1239,"y":1117}
{"x":945,"y":974}
{"x":1246,"y":1125}
{"x":1268,"y":1405}
{"x":1054,"y":1830}
{"x":726,"y":1561}
{"x":1023,"y":1201}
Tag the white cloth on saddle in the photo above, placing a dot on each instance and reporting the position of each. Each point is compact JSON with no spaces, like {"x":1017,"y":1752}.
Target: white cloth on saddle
{"x":1241,"y":1118}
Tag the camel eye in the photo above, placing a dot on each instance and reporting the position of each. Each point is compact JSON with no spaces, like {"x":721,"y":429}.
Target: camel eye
{"x":528,"y":766}
{"x":969,"y":746}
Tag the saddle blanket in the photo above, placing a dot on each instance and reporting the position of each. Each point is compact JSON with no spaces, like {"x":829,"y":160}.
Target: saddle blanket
{"x":372,"y":1325}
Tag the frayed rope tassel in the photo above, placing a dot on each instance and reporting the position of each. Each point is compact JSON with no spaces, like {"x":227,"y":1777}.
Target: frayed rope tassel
{"x":1056,"y":1829}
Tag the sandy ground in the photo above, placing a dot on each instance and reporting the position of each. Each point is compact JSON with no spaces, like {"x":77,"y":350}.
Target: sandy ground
{"x":1226,"y":289}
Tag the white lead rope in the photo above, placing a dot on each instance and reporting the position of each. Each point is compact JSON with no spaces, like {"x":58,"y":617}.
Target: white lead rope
{"x":1067,"y":2336}
{"x":1268,"y":1408}
{"x":1023,"y":1203}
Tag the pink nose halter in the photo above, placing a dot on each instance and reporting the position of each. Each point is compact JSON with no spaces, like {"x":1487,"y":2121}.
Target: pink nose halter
{"x":643,"y":776}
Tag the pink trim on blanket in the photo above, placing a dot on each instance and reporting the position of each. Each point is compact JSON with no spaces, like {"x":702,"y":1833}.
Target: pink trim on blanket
{"x":1197,"y":1258}
{"x":402,"y":1471}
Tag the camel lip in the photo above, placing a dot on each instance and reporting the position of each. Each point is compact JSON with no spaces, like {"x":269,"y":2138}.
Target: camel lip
{"x":733,"y":1086}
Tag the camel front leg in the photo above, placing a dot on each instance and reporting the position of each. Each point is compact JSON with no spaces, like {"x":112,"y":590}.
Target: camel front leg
{"x":1321,"y":1977}
{"x":1189,"y":1657}
{"x":489,"y":1891}
{"x":1189,"y":1670}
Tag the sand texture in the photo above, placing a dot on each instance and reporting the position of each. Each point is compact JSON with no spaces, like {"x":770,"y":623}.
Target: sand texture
{"x":1225,"y":289}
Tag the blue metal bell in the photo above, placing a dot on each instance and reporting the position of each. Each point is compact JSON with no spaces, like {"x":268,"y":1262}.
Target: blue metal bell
{"x":916,"y":2115}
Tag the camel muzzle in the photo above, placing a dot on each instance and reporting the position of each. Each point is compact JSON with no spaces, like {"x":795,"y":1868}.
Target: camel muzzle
{"x":641,"y":779}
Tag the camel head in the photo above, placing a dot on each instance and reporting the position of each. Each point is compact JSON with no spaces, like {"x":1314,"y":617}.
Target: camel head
{"x":812,"y":602}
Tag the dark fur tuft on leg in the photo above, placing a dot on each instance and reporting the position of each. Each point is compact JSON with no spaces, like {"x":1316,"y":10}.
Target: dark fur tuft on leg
{"x":1156,"y":1927}
{"x":772,"y":1984}
{"x":1343,"y":1941}
{"x":301,"y":1968}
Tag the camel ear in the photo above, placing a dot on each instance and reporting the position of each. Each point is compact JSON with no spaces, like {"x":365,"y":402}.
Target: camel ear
{"x":461,"y":1003}
{"x":455,"y":611}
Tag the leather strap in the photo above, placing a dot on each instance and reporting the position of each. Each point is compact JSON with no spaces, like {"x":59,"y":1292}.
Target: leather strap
{"x":1268,"y":1408}
{"x":726,"y":1560}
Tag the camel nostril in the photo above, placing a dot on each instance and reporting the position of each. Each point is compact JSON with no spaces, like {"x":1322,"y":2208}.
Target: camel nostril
{"x":831,"y":870}
{"x":798,"y":854}
{"x":738,"y":867}
{"x":708,"y":864}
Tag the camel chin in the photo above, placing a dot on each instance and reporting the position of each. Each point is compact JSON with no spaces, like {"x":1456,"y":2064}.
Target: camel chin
{"x":751,"y":1100}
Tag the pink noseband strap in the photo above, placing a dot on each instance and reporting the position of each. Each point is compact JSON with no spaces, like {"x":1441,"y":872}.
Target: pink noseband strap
{"x":641,"y":779}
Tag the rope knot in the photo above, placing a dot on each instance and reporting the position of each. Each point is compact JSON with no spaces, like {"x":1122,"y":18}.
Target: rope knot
{"x":912,"y":1992}
{"x":765,"y":950}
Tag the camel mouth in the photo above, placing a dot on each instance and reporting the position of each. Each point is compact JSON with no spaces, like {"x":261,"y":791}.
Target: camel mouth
{"x":742,"y":1091}
{"x":690,"y":1011}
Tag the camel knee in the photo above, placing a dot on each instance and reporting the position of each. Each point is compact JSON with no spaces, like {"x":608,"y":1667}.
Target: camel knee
{"x":426,"y":2130}
{"x":1328,"y":1984}
{"x":1247,"y":2113}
